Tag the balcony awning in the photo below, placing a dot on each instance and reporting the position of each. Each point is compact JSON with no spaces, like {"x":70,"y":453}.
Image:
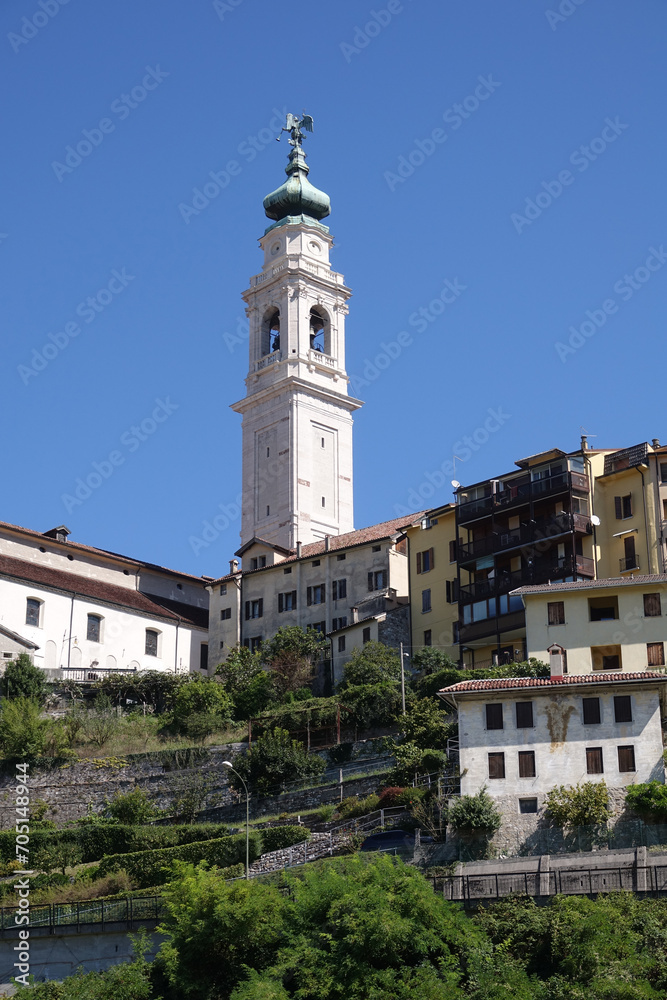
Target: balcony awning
{"x":628,"y":531}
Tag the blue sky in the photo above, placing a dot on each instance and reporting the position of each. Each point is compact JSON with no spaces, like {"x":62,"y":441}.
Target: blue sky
{"x":514,"y":150}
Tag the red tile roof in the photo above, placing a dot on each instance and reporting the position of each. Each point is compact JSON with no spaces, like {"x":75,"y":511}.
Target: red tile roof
{"x":617,"y":581}
{"x":568,"y":680}
{"x":362,"y":536}
{"x":96,"y":590}
{"x":47,"y":540}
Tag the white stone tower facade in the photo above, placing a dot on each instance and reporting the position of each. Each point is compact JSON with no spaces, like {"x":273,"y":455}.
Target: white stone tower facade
{"x":297,"y":415}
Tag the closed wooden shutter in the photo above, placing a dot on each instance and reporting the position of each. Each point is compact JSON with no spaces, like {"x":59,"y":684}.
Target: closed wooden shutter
{"x":452,"y":551}
{"x":260,"y":605}
{"x":591,"y":708}
{"x":247,"y":610}
{"x":656,"y":654}
{"x":309,"y":596}
{"x":652,"y":608}
{"x":281,"y":602}
{"x":594,"y":760}
{"x":526,"y":763}
{"x":419,"y":566}
{"x":496,"y":765}
{"x":524,"y":715}
{"x":431,"y":558}
{"x":294,"y":600}
{"x":556,"y":612}
{"x":494,"y":716}
{"x":626,"y":758}
{"x":623,"y":708}
{"x":370,"y":581}
{"x":618,"y":508}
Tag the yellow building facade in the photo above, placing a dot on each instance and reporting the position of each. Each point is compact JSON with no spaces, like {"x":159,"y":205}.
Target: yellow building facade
{"x":432,"y":560}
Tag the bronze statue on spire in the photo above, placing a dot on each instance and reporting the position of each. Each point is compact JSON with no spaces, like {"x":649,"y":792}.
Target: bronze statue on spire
{"x":295,"y":126}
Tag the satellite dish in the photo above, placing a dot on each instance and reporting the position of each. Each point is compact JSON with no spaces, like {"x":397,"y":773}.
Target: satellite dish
{"x":455,"y":484}
{"x":595,"y":520}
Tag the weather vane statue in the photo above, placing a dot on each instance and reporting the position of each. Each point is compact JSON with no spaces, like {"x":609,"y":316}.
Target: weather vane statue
{"x":295,"y":126}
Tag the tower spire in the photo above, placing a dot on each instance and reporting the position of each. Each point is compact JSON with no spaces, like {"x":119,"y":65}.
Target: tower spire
{"x":297,"y":196}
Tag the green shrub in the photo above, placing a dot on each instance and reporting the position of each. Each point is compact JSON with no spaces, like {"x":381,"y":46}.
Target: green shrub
{"x":390,"y":796}
{"x":412,"y":761}
{"x":23,"y":733}
{"x":475,"y":814}
{"x":22,"y":679}
{"x":275,"y":838}
{"x":274,"y":759}
{"x":133,"y":807}
{"x":352,"y":806}
{"x":147,"y":868}
{"x":579,"y":805}
{"x":648,"y":800}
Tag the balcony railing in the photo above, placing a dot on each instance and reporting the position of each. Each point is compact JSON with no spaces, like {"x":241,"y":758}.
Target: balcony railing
{"x":491,"y":626}
{"x":539,"y":572}
{"x":627,"y":564}
{"x":268,"y":359}
{"x":521,"y":491}
{"x":525,"y":534}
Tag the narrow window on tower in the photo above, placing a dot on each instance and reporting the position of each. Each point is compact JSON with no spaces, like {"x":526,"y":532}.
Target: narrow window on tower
{"x":322,"y":440}
{"x":324,"y":502}
{"x":267,"y":510}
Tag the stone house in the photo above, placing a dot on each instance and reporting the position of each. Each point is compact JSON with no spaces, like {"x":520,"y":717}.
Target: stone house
{"x":520,"y":737}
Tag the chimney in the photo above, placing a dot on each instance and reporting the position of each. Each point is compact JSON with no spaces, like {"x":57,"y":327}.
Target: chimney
{"x":60,"y":533}
{"x":656,"y":443}
{"x":298,"y":550}
{"x":355,"y":615}
{"x":556,"y":661}
{"x":233,"y":565}
{"x":326,"y":543}
{"x":584,"y":442}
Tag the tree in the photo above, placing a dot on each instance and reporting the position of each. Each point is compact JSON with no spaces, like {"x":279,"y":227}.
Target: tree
{"x":275,"y":759}
{"x":23,"y":732}
{"x":22,"y":679}
{"x":425,"y":724}
{"x":100,"y":722}
{"x":475,"y":814}
{"x":374,"y":663}
{"x":586,"y":804}
{"x":201,"y":707}
{"x":132,"y":808}
{"x":412,"y":760}
{"x":290,"y":671}
{"x":57,"y":857}
{"x":306,"y":643}
{"x":249,"y":685}
{"x":649,"y":800}
{"x":430,"y":659}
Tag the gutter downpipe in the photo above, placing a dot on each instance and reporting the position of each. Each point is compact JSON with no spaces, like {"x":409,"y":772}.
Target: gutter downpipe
{"x":591,"y":494}
{"x":648,"y":544}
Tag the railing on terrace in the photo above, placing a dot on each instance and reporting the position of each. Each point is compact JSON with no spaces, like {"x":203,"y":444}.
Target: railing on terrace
{"x":521,"y":491}
{"x":491,"y":886}
{"x":540,"y":572}
{"x":627,"y":564}
{"x":526,"y":534}
{"x":129,"y":911}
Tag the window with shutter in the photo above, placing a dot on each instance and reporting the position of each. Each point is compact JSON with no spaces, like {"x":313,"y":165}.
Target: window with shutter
{"x":281,"y":603}
{"x":309,"y":596}
{"x":626,"y":759}
{"x":524,"y":715}
{"x":448,"y":591}
{"x":339,"y":590}
{"x":426,"y":601}
{"x":419,"y":562}
{"x":556,"y":612}
{"x":591,"y":708}
{"x":627,"y":505}
{"x":370,"y":580}
{"x":427,"y":637}
{"x":618,"y":508}
{"x":527,"y":764}
{"x":494,"y":716}
{"x":623,"y":507}
{"x":594,"y":760}
{"x":663,"y":472}
{"x":452,"y":551}
{"x":247,"y":610}
{"x":225,"y":614}
{"x":366,"y":635}
{"x":652,"y":606}
{"x":623,"y":708}
{"x":341,"y":643}
{"x":655,"y":652}
{"x":496,"y":765}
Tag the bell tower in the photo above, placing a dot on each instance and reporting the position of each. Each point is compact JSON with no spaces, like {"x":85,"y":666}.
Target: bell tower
{"x":297,"y":415}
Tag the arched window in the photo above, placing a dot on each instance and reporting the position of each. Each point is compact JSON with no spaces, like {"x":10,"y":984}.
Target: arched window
{"x":94,"y":628}
{"x":152,"y":637}
{"x":33,"y":612}
{"x":270,"y":332}
{"x":320,"y":331}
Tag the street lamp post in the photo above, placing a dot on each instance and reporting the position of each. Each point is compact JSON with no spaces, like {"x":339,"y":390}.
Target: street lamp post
{"x":227,"y":763}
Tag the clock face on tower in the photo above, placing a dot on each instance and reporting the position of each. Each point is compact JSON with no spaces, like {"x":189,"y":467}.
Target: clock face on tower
{"x":275,"y":249}
{"x":314,"y":247}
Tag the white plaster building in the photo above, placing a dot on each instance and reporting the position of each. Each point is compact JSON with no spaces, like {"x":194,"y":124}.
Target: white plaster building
{"x":297,"y":415}
{"x":83,"y":612}
{"x":325,"y":585}
{"x":617,"y":624}
{"x":520,"y":737}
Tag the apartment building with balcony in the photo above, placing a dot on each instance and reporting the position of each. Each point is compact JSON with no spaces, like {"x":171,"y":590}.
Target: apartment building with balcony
{"x":559,"y":517}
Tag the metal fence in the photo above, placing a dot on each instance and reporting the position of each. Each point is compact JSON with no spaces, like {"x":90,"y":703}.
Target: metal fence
{"x":490,"y":886}
{"x":130,"y":911}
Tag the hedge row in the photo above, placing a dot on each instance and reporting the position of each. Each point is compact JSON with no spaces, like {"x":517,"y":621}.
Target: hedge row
{"x":148,"y":868}
{"x":96,"y":840}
